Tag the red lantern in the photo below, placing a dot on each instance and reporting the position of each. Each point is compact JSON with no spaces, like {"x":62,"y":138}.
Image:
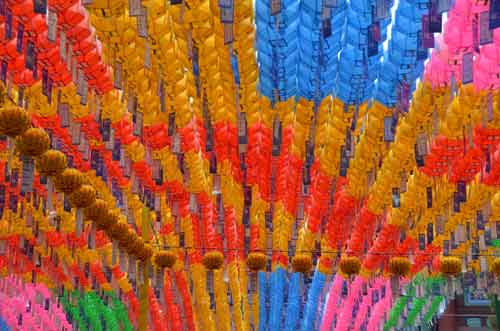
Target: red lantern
{"x":71,"y":16}
{"x":22,"y":8}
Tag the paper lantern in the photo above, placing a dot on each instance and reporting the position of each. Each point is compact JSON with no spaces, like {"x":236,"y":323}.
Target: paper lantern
{"x":451,"y":266}
{"x":14,"y":121}
{"x":96,"y":211}
{"x":69,"y":180}
{"x":256,"y":261}
{"x":125,"y":237}
{"x":213,"y":260}
{"x":83,"y":197}
{"x":51,"y":163}
{"x":495,"y":267}
{"x":117,"y":230}
{"x":350,"y":265}
{"x":145,"y":253}
{"x":108,"y":220}
{"x":399,"y":266}
{"x":134,"y":246}
{"x":302,"y":263}
{"x":33,"y":142}
{"x":165,"y":259}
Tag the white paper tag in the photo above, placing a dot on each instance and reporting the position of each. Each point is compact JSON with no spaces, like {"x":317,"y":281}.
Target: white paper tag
{"x":467,"y":68}
{"x":483,"y":264}
{"x":175,"y":209}
{"x":216,"y":184}
{"x":28,"y":171}
{"x":142,"y":24}
{"x":62,"y":45}
{"x":111,"y":142}
{"x":452,"y":85}
{"x":147,"y":156}
{"x":132,"y":266}
{"x":64,"y":114}
{"x":134,"y":7}
{"x":79,"y":83}
{"x":193,"y":206}
{"x":81,"y":146}
{"x":52,"y":26}
{"x":92,"y":236}
{"x":485,"y":34}
{"x":134,"y":188}
{"x":482,"y":282}
{"x":468,"y":257}
{"x":176,"y":146}
{"x":29,"y":220}
{"x":482,"y":243}
{"x":155,"y":169}
{"x":242,"y":126}
{"x":275,"y":7}
{"x":469,"y":134}
{"x":147,"y":55}
{"x":117,"y":75}
{"x":122,"y":157}
{"x":157,"y":202}
{"x":228,"y":33}
{"x":403,"y":182}
{"x":422,"y":144}
{"x":439,"y":225}
{"x":97,"y":108}
{"x":138,"y":124}
{"x":128,"y":166}
{"x":131,"y":103}
{"x":85,"y":91}
{"x":300,"y":210}
{"x":460,"y":235}
{"x":69,"y":59}
{"x":86,"y":150}
{"x":74,"y":71}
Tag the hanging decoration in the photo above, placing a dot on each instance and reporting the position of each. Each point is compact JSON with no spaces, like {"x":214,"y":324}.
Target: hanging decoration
{"x":247,"y":165}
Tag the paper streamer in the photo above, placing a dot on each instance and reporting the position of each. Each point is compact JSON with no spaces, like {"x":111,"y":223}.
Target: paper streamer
{"x":378,"y":311}
{"x":293,"y":306}
{"x":345,"y":314}
{"x":367,"y":301}
{"x":263,"y":297}
{"x":331,"y":304}
{"x":26,"y":306}
{"x":277,"y":296}
{"x":3,"y":325}
{"x":311,"y":307}
{"x":91,"y":312}
{"x":436,"y":302}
